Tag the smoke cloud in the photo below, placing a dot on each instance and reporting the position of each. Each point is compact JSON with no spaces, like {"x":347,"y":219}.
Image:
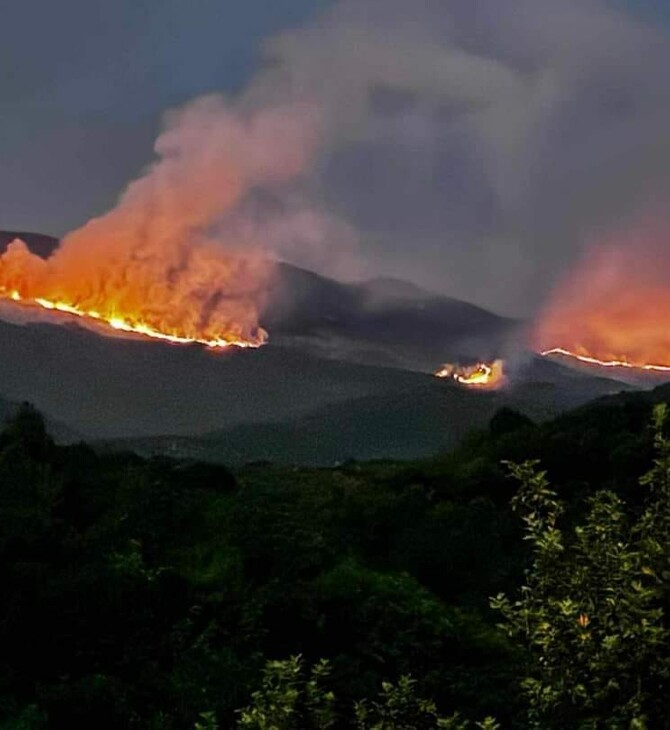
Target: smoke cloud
{"x":472,"y":147}
{"x":161,"y":257}
{"x":614,"y":304}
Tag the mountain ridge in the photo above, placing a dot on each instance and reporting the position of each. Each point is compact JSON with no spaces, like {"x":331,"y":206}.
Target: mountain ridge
{"x":381,"y":321}
{"x":344,"y":361}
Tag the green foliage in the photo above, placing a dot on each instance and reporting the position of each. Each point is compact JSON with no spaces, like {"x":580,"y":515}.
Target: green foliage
{"x":149,"y":593}
{"x":591,"y":612}
{"x":207,"y":721}
{"x":30,"y":718}
{"x":288,"y":700}
{"x":399,"y":708}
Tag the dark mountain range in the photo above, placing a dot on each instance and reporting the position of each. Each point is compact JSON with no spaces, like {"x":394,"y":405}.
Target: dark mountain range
{"x":346,"y":375}
{"x":414,"y":422}
{"x":384,"y":322}
{"x":108,"y":387}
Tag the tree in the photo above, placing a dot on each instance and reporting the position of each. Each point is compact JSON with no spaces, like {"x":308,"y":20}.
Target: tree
{"x":400,"y":708}
{"x":27,"y":430}
{"x":506,"y":420}
{"x":289,"y":701}
{"x":591,"y":614}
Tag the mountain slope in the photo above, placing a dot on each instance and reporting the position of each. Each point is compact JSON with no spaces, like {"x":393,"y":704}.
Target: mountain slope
{"x":345,"y":362}
{"x":110,"y":387}
{"x":415,"y":422}
{"x":382,"y":322}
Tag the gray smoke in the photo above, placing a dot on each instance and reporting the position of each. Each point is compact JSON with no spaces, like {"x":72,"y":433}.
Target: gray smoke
{"x":471,"y":146}
{"x":474,"y":146}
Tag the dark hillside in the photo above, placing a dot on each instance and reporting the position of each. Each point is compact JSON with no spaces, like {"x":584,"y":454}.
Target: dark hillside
{"x":147,"y":592}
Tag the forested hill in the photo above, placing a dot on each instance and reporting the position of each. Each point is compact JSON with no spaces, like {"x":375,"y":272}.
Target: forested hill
{"x":152,"y":593}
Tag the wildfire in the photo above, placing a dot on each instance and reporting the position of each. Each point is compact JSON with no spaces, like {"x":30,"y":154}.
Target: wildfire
{"x":612,"y":309}
{"x":129,"y":325}
{"x":183,"y":257}
{"x":483,"y":376}
{"x":605,"y":363}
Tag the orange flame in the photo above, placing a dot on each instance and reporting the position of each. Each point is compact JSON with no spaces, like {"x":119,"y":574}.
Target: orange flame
{"x":124,"y":325}
{"x":613,"y":309}
{"x":483,"y":376}
{"x":176,"y":259}
{"x":173,"y":314}
{"x":605,"y":363}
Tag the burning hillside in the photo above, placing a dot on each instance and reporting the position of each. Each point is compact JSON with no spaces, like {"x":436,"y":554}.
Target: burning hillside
{"x":589,"y":360}
{"x":166,"y":262}
{"x":481,"y":376}
{"x":132,"y":325}
{"x":613,"y":310}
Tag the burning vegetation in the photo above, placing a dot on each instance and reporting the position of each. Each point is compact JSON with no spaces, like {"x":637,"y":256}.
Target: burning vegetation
{"x":613,"y":309}
{"x":130,"y":326}
{"x":167,"y":262}
{"x":588,"y":360}
{"x":481,"y":376}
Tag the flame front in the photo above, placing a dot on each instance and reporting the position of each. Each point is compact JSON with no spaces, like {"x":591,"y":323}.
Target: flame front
{"x":213,"y":301}
{"x":589,"y":360}
{"x":128,"y":325}
{"x":483,"y":376}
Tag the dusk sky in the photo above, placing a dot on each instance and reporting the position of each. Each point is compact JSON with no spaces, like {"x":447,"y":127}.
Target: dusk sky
{"x":85,"y":84}
{"x":460,"y":184}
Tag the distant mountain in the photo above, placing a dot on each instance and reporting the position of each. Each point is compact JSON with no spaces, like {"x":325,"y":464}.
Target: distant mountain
{"x":385,"y":322}
{"x":415,"y":422}
{"x":381,"y":322}
{"x":344,"y":375}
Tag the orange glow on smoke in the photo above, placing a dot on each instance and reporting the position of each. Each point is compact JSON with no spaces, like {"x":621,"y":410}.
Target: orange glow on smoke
{"x":159,"y":309}
{"x":130,"y":326}
{"x":482,"y":376}
{"x":613,"y":309}
{"x":605,"y":363}
{"x":178,"y":259}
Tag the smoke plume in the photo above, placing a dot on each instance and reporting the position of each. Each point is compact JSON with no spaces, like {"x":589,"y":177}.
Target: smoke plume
{"x":473,"y":147}
{"x":470,"y":146}
{"x":161,"y":259}
{"x":614,"y":305}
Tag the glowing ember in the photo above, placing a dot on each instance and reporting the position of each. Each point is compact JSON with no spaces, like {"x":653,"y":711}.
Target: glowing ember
{"x":483,"y":376}
{"x":128,"y":325}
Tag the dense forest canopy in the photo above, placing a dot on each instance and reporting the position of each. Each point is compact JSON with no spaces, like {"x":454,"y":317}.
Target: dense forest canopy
{"x":167,"y":594}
